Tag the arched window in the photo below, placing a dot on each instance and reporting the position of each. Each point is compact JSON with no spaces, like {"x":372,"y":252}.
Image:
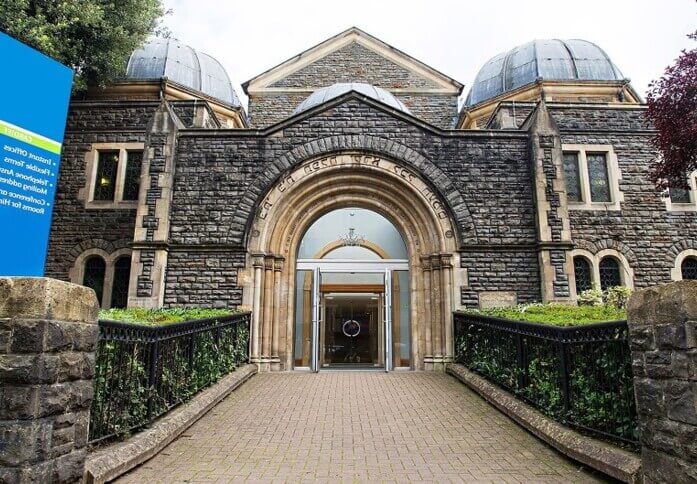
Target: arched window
{"x":583,"y":274}
{"x":609,"y":270}
{"x":689,"y":268}
{"x":95,"y":269}
{"x":119,"y":290}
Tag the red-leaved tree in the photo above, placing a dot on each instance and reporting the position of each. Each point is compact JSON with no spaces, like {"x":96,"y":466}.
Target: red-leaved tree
{"x":672,"y":109}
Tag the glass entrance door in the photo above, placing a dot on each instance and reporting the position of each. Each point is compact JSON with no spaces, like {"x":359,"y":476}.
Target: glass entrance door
{"x":352,"y":330}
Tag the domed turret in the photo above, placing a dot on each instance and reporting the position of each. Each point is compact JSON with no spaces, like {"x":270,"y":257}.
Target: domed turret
{"x":550,"y":59}
{"x":335,"y":90}
{"x":184,"y":65}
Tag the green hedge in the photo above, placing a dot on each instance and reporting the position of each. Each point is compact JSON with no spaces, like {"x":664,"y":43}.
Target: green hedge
{"x":557,"y":314}
{"x":154,"y":317}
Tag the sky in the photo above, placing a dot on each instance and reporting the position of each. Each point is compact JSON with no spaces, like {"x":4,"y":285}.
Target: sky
{"x":641,"y":37}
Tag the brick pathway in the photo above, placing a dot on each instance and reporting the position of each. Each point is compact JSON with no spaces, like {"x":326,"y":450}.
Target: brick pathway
{"x":356,"y":426}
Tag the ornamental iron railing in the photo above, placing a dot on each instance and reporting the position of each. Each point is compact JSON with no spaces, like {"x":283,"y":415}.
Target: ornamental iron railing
{"x":580,"y":375}
{"x":141,"y":372}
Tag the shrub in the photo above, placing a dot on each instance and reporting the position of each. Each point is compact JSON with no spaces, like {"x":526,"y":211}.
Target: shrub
{"x":591,"y":297}
{"x":618,"y":296}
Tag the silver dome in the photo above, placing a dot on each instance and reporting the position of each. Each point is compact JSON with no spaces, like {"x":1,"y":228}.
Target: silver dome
{"x":184,"y":65}
{"x":335,"y":90}
{"x":550,"y":59}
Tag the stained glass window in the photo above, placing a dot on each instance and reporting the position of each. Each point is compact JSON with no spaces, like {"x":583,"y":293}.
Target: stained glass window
{"x":95,"y":268}
{"x":680,"y":195}
{"x":572,"y":177}
{"x":119,"y":290}
{"x":582,"y":270}
{"x":598,"y":178}
{"x":132,"y":182}
{"x":609,"y":273}
{"x":689,"y":268}
{"x":105,"y":184}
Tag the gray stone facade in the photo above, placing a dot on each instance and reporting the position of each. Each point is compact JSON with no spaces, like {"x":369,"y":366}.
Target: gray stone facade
{"x":502,"y":187}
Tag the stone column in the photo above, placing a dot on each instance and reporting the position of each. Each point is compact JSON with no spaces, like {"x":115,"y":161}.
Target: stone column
{"x":276,"y":321}
{"x":267,"y":311}
{"x":446,"y":270}
{"x":436,"y":310}
{"x":48,"y":336}
{"x":258,"y":264}
{"x":663,"y":339}
{"x":426,"y":315}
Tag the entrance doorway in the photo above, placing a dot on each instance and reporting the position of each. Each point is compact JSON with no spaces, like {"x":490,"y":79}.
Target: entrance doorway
{"x":352,"y":299}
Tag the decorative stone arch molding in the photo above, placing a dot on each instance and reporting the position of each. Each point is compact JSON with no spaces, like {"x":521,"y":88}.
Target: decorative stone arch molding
{"x":351,"y":179}
{"x":438,"y":183}
{"x":676,"y":271}
{"x":615,"y":245}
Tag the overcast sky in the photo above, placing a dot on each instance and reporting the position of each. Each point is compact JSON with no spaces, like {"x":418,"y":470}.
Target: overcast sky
{"x":456,"y":37}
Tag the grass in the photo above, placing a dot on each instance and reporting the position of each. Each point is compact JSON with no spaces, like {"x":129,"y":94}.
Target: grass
{"x":557,"y":314}
{"x":155,"y":317}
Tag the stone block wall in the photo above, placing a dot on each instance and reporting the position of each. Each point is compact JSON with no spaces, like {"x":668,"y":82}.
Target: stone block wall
{"x":48,"y":336}
{"x":74,"y":228}
{"x":643,"y":230}
{"x":663,"y":338}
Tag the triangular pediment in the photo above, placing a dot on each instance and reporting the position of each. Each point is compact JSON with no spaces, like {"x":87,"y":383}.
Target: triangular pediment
{"x":360,"y":58}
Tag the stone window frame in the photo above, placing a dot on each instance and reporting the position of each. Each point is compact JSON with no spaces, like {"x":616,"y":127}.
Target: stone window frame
{"x":676,"y":271}
{"x":683,"y":207}
{"x":614,"y":176}
{"x":91,"y":166}
{"x":77,"y":271}
{"x":626,"y":271}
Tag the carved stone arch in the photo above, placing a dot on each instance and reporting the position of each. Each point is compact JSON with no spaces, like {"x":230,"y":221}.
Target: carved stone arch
{"x":439,"y":181}
{"x":351,"y":179}
{"x":105,"y":245}
{"x":600,"y":245}
{"x":680,"y":246}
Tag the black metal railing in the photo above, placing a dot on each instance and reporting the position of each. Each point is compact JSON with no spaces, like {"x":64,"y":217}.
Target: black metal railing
{"x":579,"y":375}
{"x":143,"y":371}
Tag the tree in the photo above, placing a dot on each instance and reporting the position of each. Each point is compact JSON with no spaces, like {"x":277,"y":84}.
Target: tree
{"x":94,"y":37}
{"x":672,"y":109}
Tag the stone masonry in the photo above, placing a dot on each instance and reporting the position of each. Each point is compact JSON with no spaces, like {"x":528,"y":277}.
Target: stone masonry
{"x":48,"y":336}
{"x":663,"y":336}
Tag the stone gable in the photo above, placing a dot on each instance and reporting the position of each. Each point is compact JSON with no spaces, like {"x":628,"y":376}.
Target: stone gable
{"x":355,"y":63}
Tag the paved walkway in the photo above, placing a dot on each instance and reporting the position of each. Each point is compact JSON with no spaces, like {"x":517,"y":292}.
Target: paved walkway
{"x":356,"y":426}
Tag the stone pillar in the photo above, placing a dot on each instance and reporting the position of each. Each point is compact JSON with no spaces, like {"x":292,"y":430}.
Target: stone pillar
{"x":151,"y":234}
{"x":276,"y":321}
{"x":426,"y":316}
{"x":663,"y":339}
{"x":553,"y":225}
{"x":267,"y":311}
{"x":258,"y":264}
{"x":446,"y":270}
{"x":436,"y":310}
{"x":48,"y":335}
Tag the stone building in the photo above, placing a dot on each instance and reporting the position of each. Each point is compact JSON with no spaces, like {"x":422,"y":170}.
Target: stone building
{"x":354,"y":206}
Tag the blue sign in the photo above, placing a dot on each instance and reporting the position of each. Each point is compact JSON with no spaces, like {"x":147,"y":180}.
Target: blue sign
{"x":35,"y":95}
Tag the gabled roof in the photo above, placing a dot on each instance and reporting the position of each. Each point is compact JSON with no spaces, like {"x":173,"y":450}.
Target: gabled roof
{"x":354,"y":34}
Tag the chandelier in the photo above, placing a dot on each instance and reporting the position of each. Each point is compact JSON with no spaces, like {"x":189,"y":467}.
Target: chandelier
{"x":352,"y":239}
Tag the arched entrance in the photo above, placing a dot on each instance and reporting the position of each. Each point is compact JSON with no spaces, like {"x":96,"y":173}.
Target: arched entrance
{"x":352,"y":294}
{"x":359,"y":181}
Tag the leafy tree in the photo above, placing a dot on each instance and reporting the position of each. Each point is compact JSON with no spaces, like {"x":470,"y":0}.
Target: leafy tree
{"x":94,"y":37}
{"x":672,"y":109}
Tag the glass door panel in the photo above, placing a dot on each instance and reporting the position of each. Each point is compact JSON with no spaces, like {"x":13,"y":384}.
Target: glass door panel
{"x":401,"y":315}
{"x":302,"y":356}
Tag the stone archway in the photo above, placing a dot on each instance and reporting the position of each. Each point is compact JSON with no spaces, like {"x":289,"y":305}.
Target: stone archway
{"x":361,"y":180}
